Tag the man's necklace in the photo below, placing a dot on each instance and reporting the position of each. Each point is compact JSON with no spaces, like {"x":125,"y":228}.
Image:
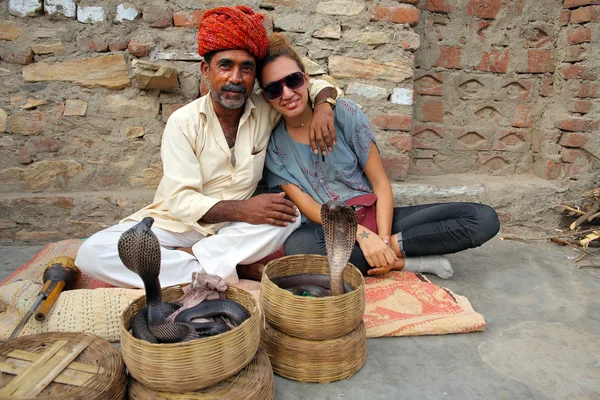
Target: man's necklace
{"x":298,"y":126}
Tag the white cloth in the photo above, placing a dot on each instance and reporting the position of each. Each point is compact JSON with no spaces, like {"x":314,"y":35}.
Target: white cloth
{"x":236,"y":243}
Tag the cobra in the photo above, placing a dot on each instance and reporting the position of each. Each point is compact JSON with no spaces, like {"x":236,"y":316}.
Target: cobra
{"x":139,"y":250}
{"x":339,"y":225}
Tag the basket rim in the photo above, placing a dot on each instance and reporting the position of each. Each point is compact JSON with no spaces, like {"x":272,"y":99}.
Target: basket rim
{"x":197,"y":342}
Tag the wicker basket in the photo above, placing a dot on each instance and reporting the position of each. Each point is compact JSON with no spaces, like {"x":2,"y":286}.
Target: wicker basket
{"x":321,"y":361}
{"x":194,"y":365}
{"x":107,"y":383}
{"x":253,"y":382}
{"x":309,"y":317}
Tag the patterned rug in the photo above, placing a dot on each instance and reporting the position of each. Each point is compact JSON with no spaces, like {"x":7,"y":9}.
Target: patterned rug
{"x":397,"y":304}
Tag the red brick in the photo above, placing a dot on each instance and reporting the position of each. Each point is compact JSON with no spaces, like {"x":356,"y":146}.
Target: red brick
{"x":547,"y":169}
{"x":579,"y":3}
{"x":437,"y":6}
{"x":401,"y":14}
{"x":494,"y":61}
{"x":575,"y":54}
{"x":585,"y":14}
{"x":572,"y":171}
{"x":402,"y":143}
{"x":7,"y":224}
{"x":588,"y":90}
{"x":581,"y":106}
{"x":168,"y":109}
{"x":579,"y":35}
{"x":570,"y":155}
{"x":25,"y":157}
{"x":522,"y":117}
{"x":16,"y":55}
{"x":190,"y":18}
{"x":480,"y":26}
{"x":432,"y":110}
{"x":396,"y":167}
{"x":577,"y":124}
{"x":539,"y":61}
{"x":487,"y":9}
{"x":97,"y":43}
{"x":572,"y":139}
{"x":572,"y":71}
{"x":449,"y":57}
{"x":138,"y":49}
{"x":537,"y":38}
{"x":547,"y":87}
{"x":431,"y":84}
{"x":160,"y":21}
{"x":45,"y":145}
{"x":118,"y":45}
{"x":565,"y":17}
{"x":393,"y":122}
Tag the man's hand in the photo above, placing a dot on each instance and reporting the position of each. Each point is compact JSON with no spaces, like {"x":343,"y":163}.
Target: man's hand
{"x":321,"y":129}
{"x":270,"y":208}
{"x":376,"y":251}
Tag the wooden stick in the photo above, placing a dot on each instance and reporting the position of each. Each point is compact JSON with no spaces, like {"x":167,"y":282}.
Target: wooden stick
{"x":589,"y":152}
{"x":593,"y":216}
{"x":20,"y":379}
{"x":43,"y":376}
{"x":508,"y":237}
{"x":68,"y":376}
{"x":584,"y":217}
{"x":29,"y":356}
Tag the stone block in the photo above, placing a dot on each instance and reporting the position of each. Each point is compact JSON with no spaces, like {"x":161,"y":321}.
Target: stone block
{"x":27,"y":123}
{"x":579,"y":3}
{"x":135,"y":131}
{"x":66,"y":8}
{"x":118,"y":45}
{"x":48,"y":48}
{"x":328,"y":32}
{"x":367,"y":91}
{"x":149,"y":177}
{"x":13,"y":54}
{"x":106,"y":71}
{"x":47,"y":174}
{"x":24,"y":8}
{"x":90,"y":15}
{"x":271,"y":4}
{"x":430,"y":84}
{"x":312,"y":67}
{"x":138,"y":49}
{"x":570,"y":155}
{"x":522,"y":117}
{"x":547,"y":169}
{"x":292,"y":23}
{"x":340,"y":7}
{"x":7,"y":224}
{"x":127,"y":12}
{"x":44,"y":145}
{"x":402,"y":143}
{"x":96,"y":43}
{"x":396,"y":167}
{"x":393,"y":122}
{"x":585,"y":14}
{"x":370,"y":38}
{"x":33,"y":103}
{"x":139,"y":106}
{"x":565,"y":17}
{"x":578,"y":106}
{"x":25,"y":157}
{"x":577,"y":124}
{"x":354,"y":68}
{"x":437,"y":6}
{"x":74,"y":107}
{"x":402,"y":96}
{"x":3,"y":117}
{"x":168,"y":109}
{"x":579,"y":35}
{"x":154,"y":76}
{"x":9,"y":30}
{"x":573,"y":139}
{"x":158,"y":17}
{"x":449,"y":57}
{"x":400,"y":14}
{"x":408,"y":40}
{"x":188,"y":18}
{"x":575,"y":54}
{"x":494,"y":61}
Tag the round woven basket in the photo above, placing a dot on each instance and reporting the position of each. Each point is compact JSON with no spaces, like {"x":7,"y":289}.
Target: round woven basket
{"x":194,"y":365}
{"x":310,"y":317}
{"x":109,"y":382}
{"x":321,"y":361}
{"x":253,"y":382}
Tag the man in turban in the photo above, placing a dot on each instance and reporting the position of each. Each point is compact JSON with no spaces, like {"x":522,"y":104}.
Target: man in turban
{"x":213,"y":152}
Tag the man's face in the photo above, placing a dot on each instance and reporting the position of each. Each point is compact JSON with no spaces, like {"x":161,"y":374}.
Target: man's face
{"x":230,"y":77}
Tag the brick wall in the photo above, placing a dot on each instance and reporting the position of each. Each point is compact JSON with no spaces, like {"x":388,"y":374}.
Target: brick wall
{"x":88,"y":85}
{"x":507,"y":87}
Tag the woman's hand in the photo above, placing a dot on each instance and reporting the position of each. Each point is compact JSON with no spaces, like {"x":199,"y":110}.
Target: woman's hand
{"x":321,"y":130}
{"x":376,"y":251}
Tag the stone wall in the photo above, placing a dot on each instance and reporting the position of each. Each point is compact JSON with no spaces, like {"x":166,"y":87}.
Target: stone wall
{"x":88,"y":85}
{"x":508,"y":87}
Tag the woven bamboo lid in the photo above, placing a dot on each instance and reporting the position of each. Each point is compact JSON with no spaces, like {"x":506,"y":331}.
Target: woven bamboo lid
{"x":255,"y":382}
{"x":194,"y":365}
{"x":321,"y":361}
{"x":77,"y":366}
{"x":309,"y":317}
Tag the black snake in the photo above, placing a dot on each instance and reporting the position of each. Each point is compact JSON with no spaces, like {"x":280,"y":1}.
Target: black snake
{"x":139,"y":250}
{"x":339,"y":225}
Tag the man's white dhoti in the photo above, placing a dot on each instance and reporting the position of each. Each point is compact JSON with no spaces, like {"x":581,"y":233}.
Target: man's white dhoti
{"x":236,"y":243}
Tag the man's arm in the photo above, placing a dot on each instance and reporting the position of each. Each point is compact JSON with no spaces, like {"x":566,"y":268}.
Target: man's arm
{"x":322,"y":129}
{"x":272,"y":209}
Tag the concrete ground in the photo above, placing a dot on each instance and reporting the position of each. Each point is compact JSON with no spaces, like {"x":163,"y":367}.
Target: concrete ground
{"x":542,"y":339}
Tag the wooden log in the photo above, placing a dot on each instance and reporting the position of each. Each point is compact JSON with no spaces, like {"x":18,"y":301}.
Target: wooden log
{"x":595,"y":208}
{"x":29,"y":356}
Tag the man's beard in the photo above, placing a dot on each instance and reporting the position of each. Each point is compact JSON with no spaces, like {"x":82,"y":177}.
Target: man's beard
{"x":227,"y":103}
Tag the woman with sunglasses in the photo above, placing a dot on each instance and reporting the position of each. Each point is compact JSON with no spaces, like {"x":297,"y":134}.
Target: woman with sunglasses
{"x":388,"y":238}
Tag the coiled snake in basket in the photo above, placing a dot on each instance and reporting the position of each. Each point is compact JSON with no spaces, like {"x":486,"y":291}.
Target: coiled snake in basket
{"x":339,"y":225}
{"x":139,"y":250}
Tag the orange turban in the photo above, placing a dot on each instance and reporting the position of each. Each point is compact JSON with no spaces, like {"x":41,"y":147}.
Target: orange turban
{"x":233,"y":28}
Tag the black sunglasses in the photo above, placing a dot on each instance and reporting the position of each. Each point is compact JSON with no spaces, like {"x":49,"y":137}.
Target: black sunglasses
{"x":294,"y":81}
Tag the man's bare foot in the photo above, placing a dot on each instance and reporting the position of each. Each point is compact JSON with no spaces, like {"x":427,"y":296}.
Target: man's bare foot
{"x":250,"y":271}
{"x":186,"y":249}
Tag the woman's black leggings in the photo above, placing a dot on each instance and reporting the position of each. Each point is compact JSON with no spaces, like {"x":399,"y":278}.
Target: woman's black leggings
{"x":431,"y":229}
